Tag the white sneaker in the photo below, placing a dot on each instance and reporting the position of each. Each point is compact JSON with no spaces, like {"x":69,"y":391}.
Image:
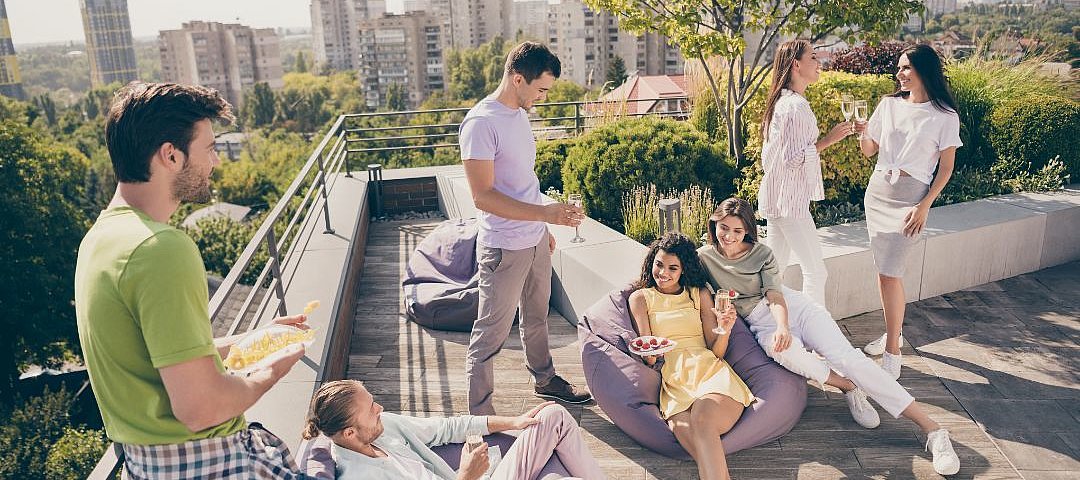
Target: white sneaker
{"x":891,"y":364}
{"x":945,"y":460}
{"x":877,"y":347}
{"x":861,"y":410}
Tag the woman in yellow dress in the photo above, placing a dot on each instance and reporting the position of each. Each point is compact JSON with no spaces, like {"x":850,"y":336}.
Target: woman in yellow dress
{"x":701,"y":397}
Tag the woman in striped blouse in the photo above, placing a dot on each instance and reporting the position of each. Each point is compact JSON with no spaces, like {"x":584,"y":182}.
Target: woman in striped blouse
{"x":792,"y":165}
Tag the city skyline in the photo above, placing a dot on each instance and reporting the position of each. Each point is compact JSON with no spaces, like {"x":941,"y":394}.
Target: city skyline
{"x":59,"y":21}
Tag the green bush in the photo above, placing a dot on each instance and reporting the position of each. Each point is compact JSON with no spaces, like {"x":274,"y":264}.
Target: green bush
{"x":611,"y":159}
{"x":980,"y":86}
{"x":74,"y":456}
{"x":1037,"y":128}
{"x":30,"y":429}
{"x":549,"y":161}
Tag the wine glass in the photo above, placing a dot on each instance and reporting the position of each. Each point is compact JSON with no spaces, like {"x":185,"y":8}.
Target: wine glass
{"x":575,"y":199}
{"x":473,"y":439}
{"x":721,"y":300}
{"x":860,"y":113}
{"x":847,"y":106}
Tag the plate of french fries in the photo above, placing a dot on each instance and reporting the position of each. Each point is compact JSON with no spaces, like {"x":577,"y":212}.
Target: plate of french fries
{"x":259,"y":348}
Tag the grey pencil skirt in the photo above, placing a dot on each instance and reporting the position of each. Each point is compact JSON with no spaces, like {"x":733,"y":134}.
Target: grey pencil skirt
{"x":886,"y":206}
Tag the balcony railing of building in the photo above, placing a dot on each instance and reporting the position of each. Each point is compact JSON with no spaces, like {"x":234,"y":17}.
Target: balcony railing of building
{"x":255,"y":282}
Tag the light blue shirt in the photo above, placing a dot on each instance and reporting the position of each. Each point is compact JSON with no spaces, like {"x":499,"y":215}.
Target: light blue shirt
{"x":494,"y":132}
{"x":407,"y":442}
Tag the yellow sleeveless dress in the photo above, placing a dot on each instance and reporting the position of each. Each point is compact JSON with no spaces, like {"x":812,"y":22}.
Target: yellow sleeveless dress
{"x":690,"y":370}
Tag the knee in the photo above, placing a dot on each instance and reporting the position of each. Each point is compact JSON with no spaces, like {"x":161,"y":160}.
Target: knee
{"x":555,"y":414}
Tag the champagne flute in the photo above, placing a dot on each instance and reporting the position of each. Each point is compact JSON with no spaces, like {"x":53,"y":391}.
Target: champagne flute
{"x":722,"y":299}
{"x":847,"y":106}
{"x":575,"y":199}
{"x":860,"y":113}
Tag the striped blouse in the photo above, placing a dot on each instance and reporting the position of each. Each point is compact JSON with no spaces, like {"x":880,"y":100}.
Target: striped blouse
{"x":790,"y":160}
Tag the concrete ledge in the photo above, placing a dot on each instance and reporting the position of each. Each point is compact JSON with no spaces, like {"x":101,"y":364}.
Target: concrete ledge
{"x":325,"y":267}
{"x":964,"y":245}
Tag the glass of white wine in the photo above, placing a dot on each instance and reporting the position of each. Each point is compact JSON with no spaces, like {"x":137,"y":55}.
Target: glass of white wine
{"x":847,"y":106}
{"x":473,"y":439}
{"x":860,"y":113}
{"x":575,"y":199}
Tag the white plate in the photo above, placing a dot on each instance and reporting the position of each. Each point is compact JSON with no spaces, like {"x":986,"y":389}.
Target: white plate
{"x":652,"y":351}
{"x":274,"y":330}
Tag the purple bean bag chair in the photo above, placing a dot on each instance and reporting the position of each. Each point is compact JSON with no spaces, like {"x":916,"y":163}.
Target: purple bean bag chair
{"x":441,"y":282}
{"x":629,"y":391}
{"x":316,"y":461}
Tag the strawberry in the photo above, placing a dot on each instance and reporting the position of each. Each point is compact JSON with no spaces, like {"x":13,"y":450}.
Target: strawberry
{"x":653,"y":342}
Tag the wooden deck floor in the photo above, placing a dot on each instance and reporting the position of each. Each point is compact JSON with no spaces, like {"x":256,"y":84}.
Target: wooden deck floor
{"x":416,"y":371}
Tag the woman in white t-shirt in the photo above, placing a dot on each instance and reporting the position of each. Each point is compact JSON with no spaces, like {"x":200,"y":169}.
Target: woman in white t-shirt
{"x":791,"y":160}
{"x":913,"y":132}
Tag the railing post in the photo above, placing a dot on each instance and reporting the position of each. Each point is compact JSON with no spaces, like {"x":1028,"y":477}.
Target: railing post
{"x":577,"y":119}
{"x":323,"y":188}
{"x":345,"y":152}
{"x":275,"y":271}
{"x":670,"y":215}
{"x":374,"y":173}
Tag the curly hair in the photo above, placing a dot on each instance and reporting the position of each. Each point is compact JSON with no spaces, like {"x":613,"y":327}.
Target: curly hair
{"x":675,"y":243}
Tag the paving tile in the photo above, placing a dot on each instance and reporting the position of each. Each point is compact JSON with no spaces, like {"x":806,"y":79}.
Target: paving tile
{"x":1038,"y":451}
{"x":1008,"y":416}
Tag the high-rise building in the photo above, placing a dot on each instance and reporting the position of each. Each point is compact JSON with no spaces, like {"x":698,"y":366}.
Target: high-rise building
{"x":108,"y":41}
{"x":10,"y":80}
{"x":530,"y":19}
{"x":334,"y":31}
{"x":476,"y":22}
{"x":406,"y":50}
{"x":587,"y":41}
{"x":226,"y":57}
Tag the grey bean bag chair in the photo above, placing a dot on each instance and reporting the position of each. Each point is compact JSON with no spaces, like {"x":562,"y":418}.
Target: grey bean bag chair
{"x":441,"y":282}
{"x":316,"y":461}
{"x":629,"y":391}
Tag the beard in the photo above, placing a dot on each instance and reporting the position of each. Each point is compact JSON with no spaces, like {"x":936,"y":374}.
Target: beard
{"x":190,"y":186}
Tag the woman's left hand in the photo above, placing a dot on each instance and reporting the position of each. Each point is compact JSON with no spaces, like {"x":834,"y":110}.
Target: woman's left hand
{"x":915,"y":220}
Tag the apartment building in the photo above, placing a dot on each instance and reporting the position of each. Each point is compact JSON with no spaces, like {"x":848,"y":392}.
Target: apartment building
{"x":108,"y":41}
{"x":334,"y":30}
{"x":406,"y":50}
{"x":10,"y":80}
{"x":225,"y":56}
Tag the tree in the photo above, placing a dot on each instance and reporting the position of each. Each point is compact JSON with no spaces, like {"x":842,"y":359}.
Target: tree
{"x":259,"y":106}
{"x":473,"y":73}
{"x":43,"y":216}
{"x":706,"y":28}
{"x":616,"y":73}
{"x":47,"y":106}
{"x":301,"y":63}
{"x":396,"y":98}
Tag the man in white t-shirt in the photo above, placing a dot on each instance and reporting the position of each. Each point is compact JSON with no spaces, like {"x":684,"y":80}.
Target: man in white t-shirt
{"x":514,"y":246}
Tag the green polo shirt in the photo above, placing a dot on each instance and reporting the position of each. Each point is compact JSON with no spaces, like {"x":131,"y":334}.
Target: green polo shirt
{"x":141,"y":305}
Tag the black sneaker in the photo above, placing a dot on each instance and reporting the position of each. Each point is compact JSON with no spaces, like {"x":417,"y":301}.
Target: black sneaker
{"x":559,"y":389}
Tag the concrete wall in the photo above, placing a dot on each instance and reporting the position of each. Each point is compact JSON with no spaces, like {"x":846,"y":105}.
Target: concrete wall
{"x":964,"y":245}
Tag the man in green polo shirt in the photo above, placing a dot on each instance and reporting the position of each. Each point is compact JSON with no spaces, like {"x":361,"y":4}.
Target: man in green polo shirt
{"x":142,"y":307}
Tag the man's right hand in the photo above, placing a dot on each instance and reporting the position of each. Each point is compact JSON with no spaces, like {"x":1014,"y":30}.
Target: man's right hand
{"x":563,"y":214}
{"x":474,"y":463}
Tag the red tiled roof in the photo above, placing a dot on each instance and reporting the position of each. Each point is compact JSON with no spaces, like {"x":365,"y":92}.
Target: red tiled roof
{"x":653,"y":86}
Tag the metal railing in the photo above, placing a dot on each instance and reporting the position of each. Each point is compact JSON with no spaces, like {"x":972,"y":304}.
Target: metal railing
{"x":307,"y":195}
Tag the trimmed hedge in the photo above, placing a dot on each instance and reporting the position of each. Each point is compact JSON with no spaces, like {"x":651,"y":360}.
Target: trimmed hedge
{"x":1037,"y":128}
{"x":549,"y":161}
{"x":609,"y":160}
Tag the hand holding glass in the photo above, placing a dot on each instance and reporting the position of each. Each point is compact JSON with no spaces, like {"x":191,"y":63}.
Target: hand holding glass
{"x":860,"y":113}
{"x":575,"y":200}
{"x":847,"y":107}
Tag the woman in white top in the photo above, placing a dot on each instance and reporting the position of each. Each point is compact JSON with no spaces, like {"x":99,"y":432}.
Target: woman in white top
{"x":913,"y":132}
{"x":792,"y":165}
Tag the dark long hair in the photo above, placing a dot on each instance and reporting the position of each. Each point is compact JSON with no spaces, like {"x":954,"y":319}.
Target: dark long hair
{"x":675,"y":243}
{"x":927,"y":63}
{"x":786,"y":55}
{"x":739,"y":208}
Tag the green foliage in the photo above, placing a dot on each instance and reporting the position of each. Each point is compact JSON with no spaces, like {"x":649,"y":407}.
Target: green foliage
{"x":74,"y":456}
{"x":221,"y":241}
{"x":1052,"y":27}
{"x":473,"y":73}
{"x":550,"y":155}
{"x":28,"y":432}
{"x":834,"y":214}
{"x":1006,"y":175}
{"x":1038,"y":128}
{"x":616,"y":73}
{"x":259,"y":108}
{"x":397,"y":99}
{"x":300,"y":65}
{"x":980,"y":85}
{"x":640,"y":212}
{"x":704,"y":29}
{"x":44,"y":213}
{"x":609,"y":160}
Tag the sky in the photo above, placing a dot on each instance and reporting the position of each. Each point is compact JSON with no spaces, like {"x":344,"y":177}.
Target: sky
{"x":50,"y":21}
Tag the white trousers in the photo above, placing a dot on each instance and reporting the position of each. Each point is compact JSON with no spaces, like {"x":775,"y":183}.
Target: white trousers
{"x":812,"y":328}
{"x":799,"y":236}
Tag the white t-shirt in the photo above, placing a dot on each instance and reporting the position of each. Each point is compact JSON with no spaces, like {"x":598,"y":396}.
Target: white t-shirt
{"x":911,"y":137}
{"x":494,"y":132}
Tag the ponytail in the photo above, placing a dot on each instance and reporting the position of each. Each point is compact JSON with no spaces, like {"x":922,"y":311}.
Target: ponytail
{"x":311,"y":430}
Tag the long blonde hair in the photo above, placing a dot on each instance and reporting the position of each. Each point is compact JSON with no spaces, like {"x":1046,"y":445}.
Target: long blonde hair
{"x":783,"y":62}
{"x":331,"y":409}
